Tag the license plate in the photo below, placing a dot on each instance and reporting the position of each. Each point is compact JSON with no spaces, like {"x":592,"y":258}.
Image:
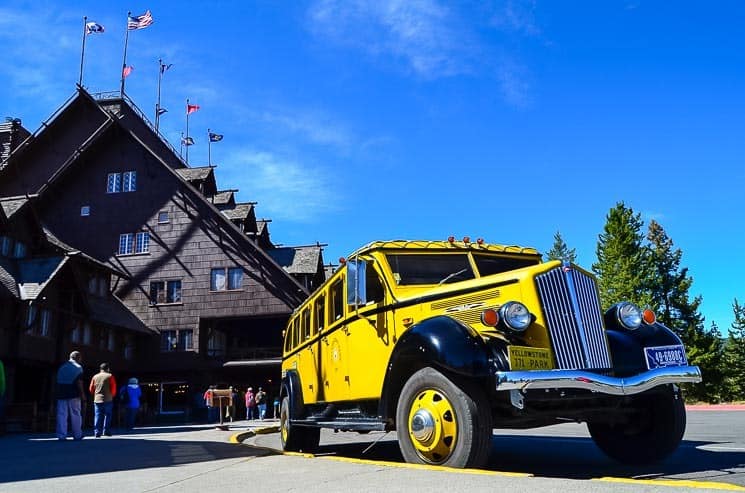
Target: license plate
{"x":529,"y":358}
{"x":664,"y":356}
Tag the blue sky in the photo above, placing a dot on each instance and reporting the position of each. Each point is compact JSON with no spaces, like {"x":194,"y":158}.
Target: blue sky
{"x":351,"y":121}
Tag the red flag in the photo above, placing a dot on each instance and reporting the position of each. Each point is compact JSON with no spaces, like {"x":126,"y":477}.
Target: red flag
{"x":191,"y":108}
{"x":127,"y":70}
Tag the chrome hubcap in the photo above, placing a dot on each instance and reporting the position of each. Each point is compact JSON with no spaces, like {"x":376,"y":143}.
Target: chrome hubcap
{"x":422,"y":425}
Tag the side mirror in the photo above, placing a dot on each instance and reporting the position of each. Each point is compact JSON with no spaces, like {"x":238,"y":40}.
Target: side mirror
{"x":356,"y":283}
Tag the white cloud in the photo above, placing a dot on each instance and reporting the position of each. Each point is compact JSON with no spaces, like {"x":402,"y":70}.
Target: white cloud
{"x":421,"y":32}
{"x":284,"y":188}
{"x":315,"y":126}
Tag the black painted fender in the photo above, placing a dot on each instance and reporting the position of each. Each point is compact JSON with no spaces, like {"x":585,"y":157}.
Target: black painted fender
{"x":627,"y":347}
{"x":441,"y":342}
{"x":291,"y":387}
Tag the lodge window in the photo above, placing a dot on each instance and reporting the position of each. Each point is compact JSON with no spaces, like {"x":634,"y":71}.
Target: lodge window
{"x":129,"y":348}
{"x":163,"y":217}
{"x":6,"y":245}
{"x":85,"y":210}
{"x":38,"y":321}
{"x":103,"y":338}
{"x":165,"y":292}
{"x":87,"y":333}
{"x":177,"y":340}
{"x":111,"y":346}
{"x":19,"y":251}
{"x":130,"y":243}
{"x":121,"y":182}
{"x":76,"y":333}
{"x":31,"y":318}
{"x":222,"y":279}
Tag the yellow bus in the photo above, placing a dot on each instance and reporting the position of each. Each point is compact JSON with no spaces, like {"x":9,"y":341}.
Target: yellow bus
{"x":442,"y":341}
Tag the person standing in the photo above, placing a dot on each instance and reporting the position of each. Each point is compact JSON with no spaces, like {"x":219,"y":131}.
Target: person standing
{"x":70,"y":397}
{"x":103,"y":388}
{"x":250,"y":403}
{"x":261,"y":402}
{"x":130,"y":396}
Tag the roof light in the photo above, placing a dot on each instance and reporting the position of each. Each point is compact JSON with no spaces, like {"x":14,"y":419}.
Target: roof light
{"x":342,"y":260}
{"x":451,"y":239}
{"x":480,"y":241}
{"x":466,"y":240}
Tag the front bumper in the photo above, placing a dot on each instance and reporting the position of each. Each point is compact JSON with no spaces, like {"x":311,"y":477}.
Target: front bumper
{"x":585,"y":380}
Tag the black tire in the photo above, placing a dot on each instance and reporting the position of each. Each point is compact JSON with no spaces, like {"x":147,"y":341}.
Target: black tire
{"x":658,"y":422}
{"x":296,"y":438}
{"x":440,"y":423}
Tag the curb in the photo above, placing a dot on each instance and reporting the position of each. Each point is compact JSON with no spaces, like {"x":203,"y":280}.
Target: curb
{"x":715,"y":407}
{"x":243,"y":435}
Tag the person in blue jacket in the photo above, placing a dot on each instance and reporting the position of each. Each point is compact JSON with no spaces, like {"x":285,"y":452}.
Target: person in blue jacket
{"x":131,"y":395}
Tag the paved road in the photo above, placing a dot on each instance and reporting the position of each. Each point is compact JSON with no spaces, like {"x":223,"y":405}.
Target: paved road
{"x":713,"y":450}
{"x":201,"y":458}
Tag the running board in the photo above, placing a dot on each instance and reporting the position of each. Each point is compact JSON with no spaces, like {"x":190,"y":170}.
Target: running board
{"x":345,"y":425}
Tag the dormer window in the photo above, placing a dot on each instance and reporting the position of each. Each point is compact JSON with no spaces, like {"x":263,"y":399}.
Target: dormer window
{"x":6,"y":246}
{"x":19,"y":251}
{"x":85,"y":210}
{"x":121,"y":182}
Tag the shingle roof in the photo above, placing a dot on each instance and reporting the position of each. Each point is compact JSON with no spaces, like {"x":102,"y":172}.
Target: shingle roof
{"x":195,"y":174}
{"x":75,"y":252}
{"x":111,"y":311}
{"x":8,"y":277}
{"x":297,"y":260}
{"x":11,"y":205}
{"x":222,"y":197}
{"x":240,"y":211}
{"x":35,"y":274}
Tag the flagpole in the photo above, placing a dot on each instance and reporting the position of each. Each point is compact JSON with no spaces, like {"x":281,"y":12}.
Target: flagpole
{"x":209,"y":149}
{"x":82,"y":52}
{"x":187,"y":131}
{"x":181,"y":149}
{"x":157,"y":105}
{"x":124,"y":63}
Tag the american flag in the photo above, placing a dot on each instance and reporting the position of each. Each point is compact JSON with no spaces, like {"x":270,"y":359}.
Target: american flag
{"x":139,"y":21}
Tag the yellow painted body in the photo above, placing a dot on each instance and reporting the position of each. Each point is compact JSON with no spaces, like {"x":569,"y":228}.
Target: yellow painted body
{"x":344,"y":353}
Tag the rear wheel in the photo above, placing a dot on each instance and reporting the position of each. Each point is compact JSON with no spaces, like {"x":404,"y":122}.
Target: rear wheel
{"x":658,"y":421}
{"x":439,"y":423}
{"x":296,"y":438}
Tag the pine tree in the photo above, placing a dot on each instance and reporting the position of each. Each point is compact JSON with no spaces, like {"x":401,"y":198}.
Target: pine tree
{"x":705,"y":349}
{"x":623,"y":266}
{"x":734,"y":355}
{"x":560,"y":250}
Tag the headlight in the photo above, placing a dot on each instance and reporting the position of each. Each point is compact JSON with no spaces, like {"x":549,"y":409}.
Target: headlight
{"x":629,"y":315}
{"x":515,"y":315}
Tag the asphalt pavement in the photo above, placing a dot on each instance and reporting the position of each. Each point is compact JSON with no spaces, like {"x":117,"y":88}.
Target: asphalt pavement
{"x":204,"y":458}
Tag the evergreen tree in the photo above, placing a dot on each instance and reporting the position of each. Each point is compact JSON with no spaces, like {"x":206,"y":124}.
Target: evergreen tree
{"x":734,"y":355}
{"x":560,"y":250}
{"x":623,"y":266}
{"x":668,"y":286}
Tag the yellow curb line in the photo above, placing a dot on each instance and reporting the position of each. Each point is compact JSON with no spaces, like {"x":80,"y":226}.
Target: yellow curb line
{"x":676,"y":483}
{"x":239,"y":437}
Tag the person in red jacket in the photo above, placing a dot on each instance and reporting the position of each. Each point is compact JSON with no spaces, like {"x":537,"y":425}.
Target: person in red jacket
{"x":103,"y":388}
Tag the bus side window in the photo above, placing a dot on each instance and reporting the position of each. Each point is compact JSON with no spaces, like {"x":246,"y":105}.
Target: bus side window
{"x":296,"y":333}
{"x":337,"y":301}
{"x":319,"y":308}
{"x":288,"y":338}
{"x":306,"y":324}
{"x":373,"y":286}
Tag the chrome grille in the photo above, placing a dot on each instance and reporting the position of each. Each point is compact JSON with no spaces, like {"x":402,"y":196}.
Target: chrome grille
{"x":571,"y":308}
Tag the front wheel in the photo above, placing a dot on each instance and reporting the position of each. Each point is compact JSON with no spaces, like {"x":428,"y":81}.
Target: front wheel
{"x":655,"y":429}
{"x":439,"y":423}
{"x":296,"y":438}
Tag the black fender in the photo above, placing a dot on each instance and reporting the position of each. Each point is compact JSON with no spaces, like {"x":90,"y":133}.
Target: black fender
{"x":291,"y":388}
{"x":627,"y":346}
{"x":441,"y":342}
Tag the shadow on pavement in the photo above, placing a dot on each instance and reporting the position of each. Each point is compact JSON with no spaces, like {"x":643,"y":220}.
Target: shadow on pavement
{"x":27,"y":457}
